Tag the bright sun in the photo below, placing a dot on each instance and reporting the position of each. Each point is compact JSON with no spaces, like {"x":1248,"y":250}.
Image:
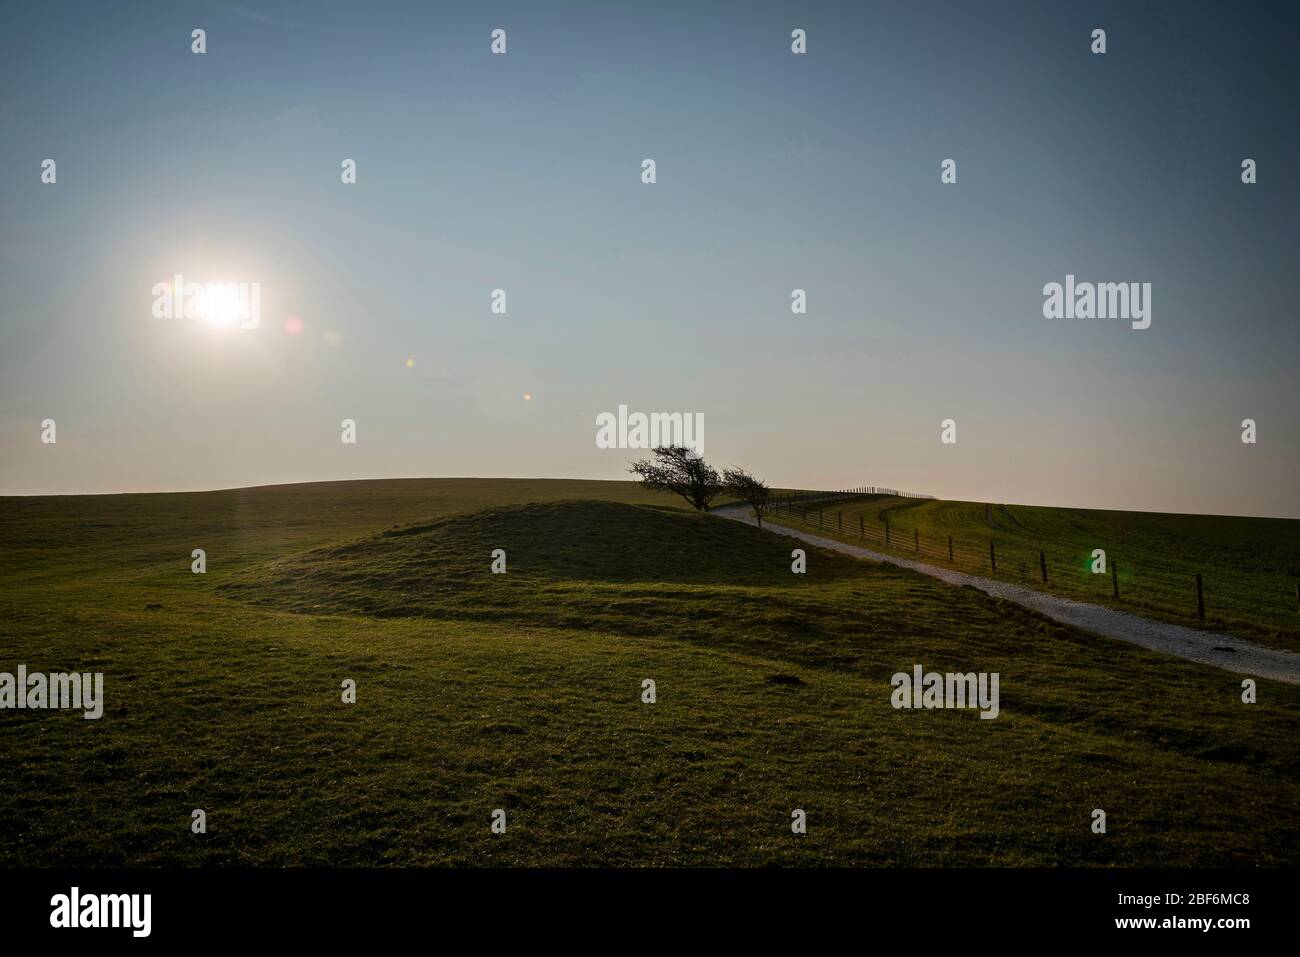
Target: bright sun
{"x":219,"y":306}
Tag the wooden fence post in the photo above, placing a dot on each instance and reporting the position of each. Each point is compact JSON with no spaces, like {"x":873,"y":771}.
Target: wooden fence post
{"x":916,"y":543}
{"x":993,"y":556}
{"x":886,"y":531}
{"x":839,"y":521}
{"x":1042,"y":563}
{"x":1200,"y":599}
{"x":949,"y":548}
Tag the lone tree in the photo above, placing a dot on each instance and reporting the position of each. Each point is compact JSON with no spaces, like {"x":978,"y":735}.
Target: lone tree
{"x":681,"y":471}
{"x":750,"y":490}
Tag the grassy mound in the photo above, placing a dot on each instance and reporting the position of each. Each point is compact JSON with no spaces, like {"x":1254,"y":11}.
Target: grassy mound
{"x":600,"y":566}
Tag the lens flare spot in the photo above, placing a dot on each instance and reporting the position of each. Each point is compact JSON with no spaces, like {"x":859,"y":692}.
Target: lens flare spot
{"x":293,"y":326}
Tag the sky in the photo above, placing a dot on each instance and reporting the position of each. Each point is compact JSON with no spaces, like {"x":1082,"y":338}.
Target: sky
{"x":774,"y":171}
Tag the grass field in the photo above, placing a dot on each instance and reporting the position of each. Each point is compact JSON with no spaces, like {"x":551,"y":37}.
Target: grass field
{"x":523,"y":692}
{"x":1249,"y":566}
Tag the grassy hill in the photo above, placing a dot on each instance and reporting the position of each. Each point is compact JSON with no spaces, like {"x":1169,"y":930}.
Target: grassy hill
{"x":1249,"y":566}
{"x":522,"y":691}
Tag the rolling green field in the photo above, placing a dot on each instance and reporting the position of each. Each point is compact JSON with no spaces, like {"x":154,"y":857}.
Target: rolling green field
{"x":1249,"y":566}
{"x":522,"y":692}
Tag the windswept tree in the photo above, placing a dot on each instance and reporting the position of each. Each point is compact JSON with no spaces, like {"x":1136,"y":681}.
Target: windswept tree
{"x":680,"y":471}
{"x":752,"y":491}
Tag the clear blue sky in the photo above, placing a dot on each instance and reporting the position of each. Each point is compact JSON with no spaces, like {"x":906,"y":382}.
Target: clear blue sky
{"x":775,"y":171}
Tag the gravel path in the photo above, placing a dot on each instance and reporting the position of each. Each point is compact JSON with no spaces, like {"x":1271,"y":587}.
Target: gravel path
{"x":1222,"y":651}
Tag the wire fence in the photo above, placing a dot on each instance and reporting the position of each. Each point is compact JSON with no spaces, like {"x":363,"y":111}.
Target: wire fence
{"x":1269,"y":601}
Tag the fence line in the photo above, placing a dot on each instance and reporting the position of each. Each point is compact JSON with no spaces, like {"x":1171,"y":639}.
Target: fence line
{"x":811,"y":507}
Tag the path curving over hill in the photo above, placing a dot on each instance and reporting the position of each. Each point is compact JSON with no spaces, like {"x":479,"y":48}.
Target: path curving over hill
{"x":1231,"y":654}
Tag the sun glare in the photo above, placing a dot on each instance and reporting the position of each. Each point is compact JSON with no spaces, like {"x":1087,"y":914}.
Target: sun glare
{"x":219,"y":305}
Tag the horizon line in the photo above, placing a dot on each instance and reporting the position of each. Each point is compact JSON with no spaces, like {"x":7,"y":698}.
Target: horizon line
{"x":512,"y":478}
